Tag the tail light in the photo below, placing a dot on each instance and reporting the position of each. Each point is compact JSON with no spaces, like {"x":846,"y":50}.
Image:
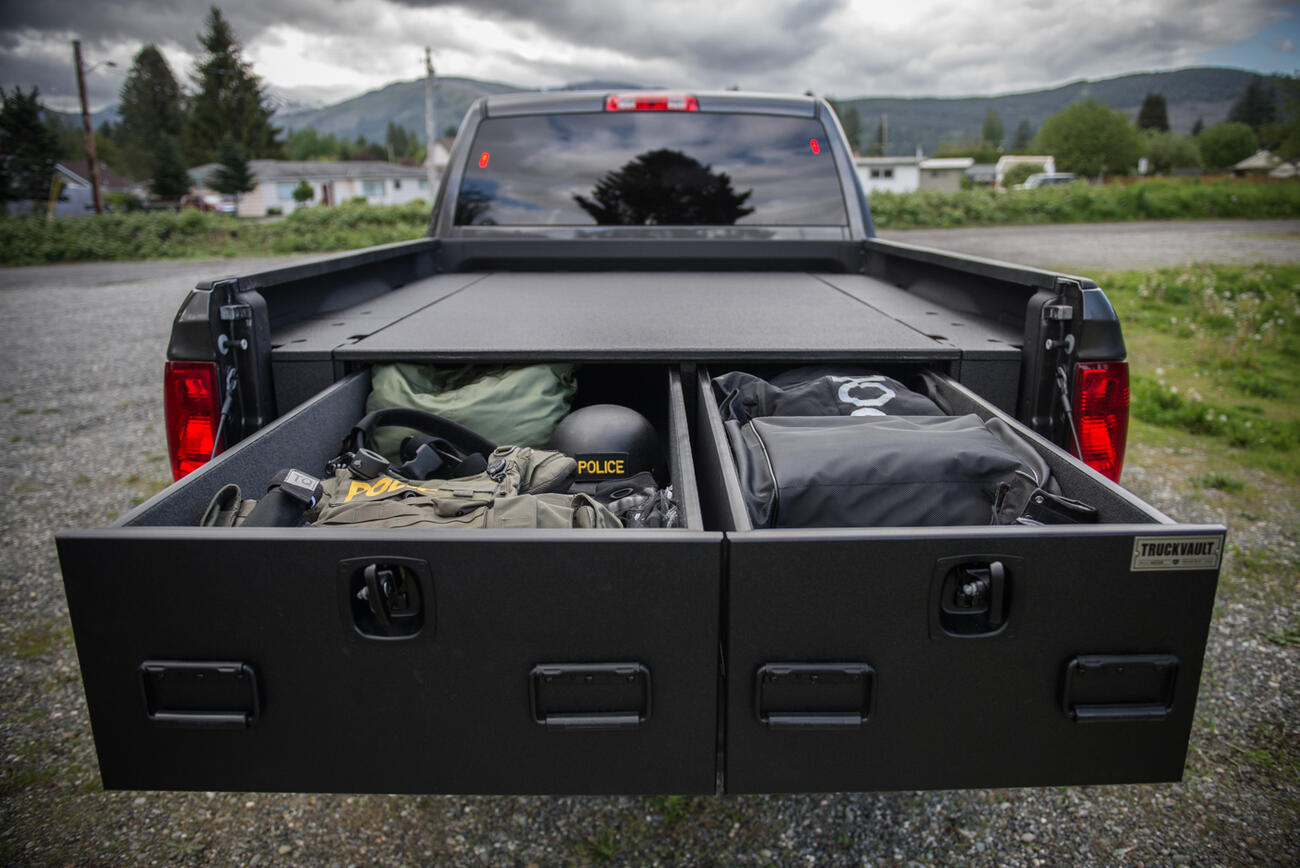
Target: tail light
{"x":651,"y":102}
{"x":1101,"y":415}
{"x":192,"y":407}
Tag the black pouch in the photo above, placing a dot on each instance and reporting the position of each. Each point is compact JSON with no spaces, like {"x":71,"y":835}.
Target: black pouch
{"x":1045,"y":507}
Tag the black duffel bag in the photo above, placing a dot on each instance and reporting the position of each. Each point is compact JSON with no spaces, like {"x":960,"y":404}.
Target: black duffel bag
{"x":878,"y":471}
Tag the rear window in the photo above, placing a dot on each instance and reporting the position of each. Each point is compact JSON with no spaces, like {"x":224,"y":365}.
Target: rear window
{"x":650,"y":169}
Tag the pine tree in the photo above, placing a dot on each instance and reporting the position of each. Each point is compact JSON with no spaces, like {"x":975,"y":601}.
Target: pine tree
{"x":1024,"y":135}
{"x":851,"y":121}
{"x":232,"y":176}
{"x":1256,"y":107}
{"x":1198,"y":126}
{"x":993,"y":132}
{"x":28,"y":149}
{"x":229,"y":100}
{"x":152,"y":108}
{"x":169,"y":181}
{"x":1154,"y":114}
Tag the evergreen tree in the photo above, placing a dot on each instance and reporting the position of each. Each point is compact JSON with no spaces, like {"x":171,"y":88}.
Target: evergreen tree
{"x":28,"y":149}
{"x":232,"y":177}
{"x":400,"y":141}
{"x":1256,"y":107}
{"x":229,"y":100}
{"x":993,"y":132}
{"x":169,"y":181}
{"x":852,"y":123}
{"x":1198,"y":126}
{"x":1024,"y":135}
{"x":152,"y":108}
{"x":1154,"y":114}
{"x":303,"y":193}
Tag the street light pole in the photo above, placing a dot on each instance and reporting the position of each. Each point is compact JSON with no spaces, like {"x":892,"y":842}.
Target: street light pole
{"x":95,"y":181}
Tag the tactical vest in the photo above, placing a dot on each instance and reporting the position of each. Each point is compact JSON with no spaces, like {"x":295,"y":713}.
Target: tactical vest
{"x":522,"y":487}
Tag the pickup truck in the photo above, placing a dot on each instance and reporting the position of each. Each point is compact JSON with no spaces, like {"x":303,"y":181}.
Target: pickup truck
{"x":656,"y":241}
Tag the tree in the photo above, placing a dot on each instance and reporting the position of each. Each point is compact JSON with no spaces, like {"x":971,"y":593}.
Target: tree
{"x":152,"y":108}
{"x":993,"y":133}
{"x":1224,"y":144}
{"x":1287,"y":129}
{"x":1154,"y":114}
{"x":1024,"y":135}
{"x":229,"y":99}
{"x":28,"y":149}
{"x":1166,"y":151}
{"x":1256,"y":107}
{"x":169,"y":181}
{"x":851,"y":121}
{"x":1089,"y":138}
{"x":303,"y":193}
{"x":1198,"y":126}
{"x":233,"y":176}
{"x":665,"y":188}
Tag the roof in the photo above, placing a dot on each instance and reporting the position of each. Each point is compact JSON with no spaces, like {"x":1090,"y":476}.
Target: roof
{"x":107,"y":177}
{"x":887,"y":161}
{"x":1260,"y":161}
{"x":271,"y":171}
{"x":947,"y":162}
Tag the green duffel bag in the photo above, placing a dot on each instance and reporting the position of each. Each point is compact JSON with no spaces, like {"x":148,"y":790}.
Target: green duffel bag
{"x":522,"y":488}
{"x":518,"y":404}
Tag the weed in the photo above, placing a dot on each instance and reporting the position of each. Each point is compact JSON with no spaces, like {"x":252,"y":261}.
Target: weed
{"x":26,"y":411}
{"x":1218,"y":481}
{"x":1286,"y":636}
{"x":35,"y":641}
{"x":598,"y":848}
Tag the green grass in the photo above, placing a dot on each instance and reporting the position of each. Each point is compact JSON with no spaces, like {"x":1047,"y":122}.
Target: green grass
{"x":191,"y":234}
{"x":1085,"y":203}
{"x":1215,"y":352}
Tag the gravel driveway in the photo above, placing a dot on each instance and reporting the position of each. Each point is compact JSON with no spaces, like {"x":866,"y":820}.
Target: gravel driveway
{"x":81,"y":418}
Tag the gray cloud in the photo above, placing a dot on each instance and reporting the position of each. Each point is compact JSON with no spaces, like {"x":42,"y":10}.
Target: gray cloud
{"x":838,"y":47}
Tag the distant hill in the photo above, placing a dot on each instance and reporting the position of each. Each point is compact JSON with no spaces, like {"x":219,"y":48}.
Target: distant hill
{"x":402,"y":103}
{"x":1203,"y":92}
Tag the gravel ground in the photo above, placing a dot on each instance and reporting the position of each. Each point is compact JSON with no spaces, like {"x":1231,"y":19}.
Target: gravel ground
{"x":1120,"y":245}
{"x":80,"y":402}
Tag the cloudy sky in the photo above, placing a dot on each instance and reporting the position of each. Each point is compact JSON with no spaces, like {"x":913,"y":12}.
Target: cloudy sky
{"x":323,"y":51}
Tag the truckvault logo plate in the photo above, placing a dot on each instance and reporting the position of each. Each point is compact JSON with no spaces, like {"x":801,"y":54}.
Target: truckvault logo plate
{"x":1177,"y":553}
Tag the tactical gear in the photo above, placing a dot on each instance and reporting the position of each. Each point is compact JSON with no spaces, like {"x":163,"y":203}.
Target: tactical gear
{"x":520,"y":488}
{"x":439,"y":446}
{"x":637,"y":501}
{"x":519,"y":404}
{"x":609,"y":441}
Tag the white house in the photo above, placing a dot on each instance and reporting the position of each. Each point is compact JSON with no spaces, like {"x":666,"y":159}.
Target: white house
{"x":331,"y":183}
{"x":909,"y":174}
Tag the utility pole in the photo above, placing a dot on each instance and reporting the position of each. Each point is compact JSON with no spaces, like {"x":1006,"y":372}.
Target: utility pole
{"x":430,"y":128}
{"x":95,"y":182}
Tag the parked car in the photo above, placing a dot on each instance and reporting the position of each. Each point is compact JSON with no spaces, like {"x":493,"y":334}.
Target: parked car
{"x":1047,"y":179}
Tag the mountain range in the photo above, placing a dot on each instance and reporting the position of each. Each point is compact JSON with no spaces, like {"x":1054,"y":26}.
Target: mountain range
{"x":1200,"y":93}
{"x":1204,"y":93}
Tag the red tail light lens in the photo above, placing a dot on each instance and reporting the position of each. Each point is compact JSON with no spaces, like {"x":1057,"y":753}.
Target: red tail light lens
{"x":1101,"y":415}
{"x":651,"y":102}
{"x":191,"y":405}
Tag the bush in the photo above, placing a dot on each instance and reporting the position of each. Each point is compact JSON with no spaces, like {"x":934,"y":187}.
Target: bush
{"x":1020,"y":172}
{"x":1224,"y":144}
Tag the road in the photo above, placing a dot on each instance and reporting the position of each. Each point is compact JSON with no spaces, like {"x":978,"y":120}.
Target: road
{"x":1099,"y":246}
{"x":81,"y":421}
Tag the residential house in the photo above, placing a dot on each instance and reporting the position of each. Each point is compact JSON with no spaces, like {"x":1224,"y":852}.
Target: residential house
{"x":944,"y":173}
{"x":909,"y":174}
{"x":331,"y":183}
{"x":76,"y":196}
{"x":1264,"y":162}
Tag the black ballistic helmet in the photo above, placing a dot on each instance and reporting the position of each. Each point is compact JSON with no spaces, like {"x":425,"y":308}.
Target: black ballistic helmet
{"x":609,"y":441}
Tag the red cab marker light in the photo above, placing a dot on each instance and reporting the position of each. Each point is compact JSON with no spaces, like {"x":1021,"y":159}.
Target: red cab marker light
{"x":651,"y":102}
{"x":483,"y":160}
{"x":816,"y":148}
